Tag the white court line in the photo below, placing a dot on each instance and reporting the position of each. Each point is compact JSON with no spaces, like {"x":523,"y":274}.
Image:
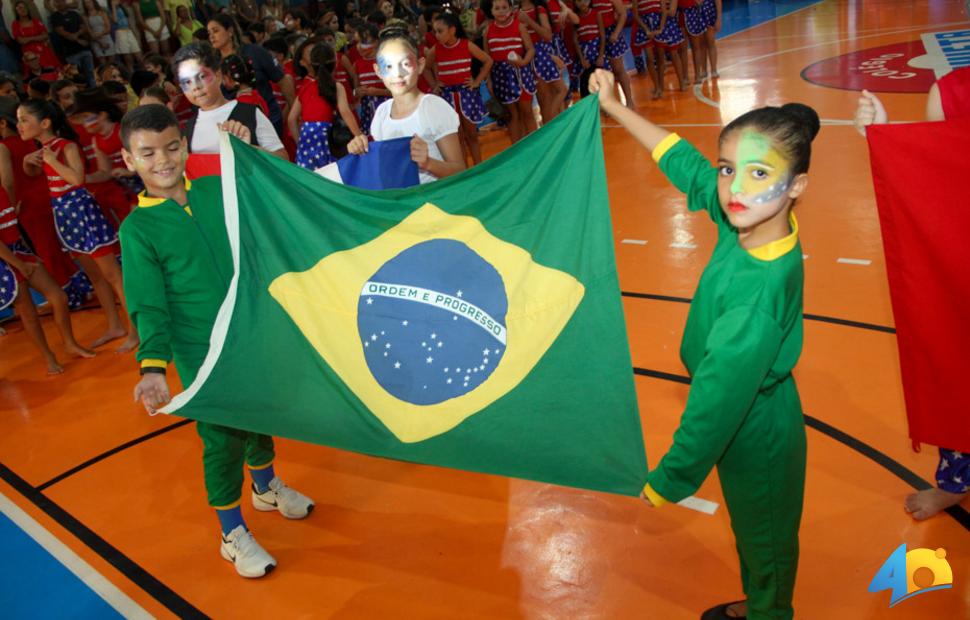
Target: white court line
{"x":84,"y":571}
{"x":634,"y":241}
{"x":854,"y":261}
{"x":804,"y":256}
{"x":700,"y":505}
{"x":700,"y":96}
{"x":683,"y":246}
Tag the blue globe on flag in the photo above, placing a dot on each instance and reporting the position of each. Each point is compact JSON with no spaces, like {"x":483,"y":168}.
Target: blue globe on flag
{"x":431,"y":322}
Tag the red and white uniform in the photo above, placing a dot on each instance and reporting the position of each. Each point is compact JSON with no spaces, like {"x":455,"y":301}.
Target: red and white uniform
{"x":605,"y":8}
{"x":454,"y":63}
{"x":503,"y":40}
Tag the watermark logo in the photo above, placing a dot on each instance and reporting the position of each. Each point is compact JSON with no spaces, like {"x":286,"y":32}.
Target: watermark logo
{"x":910,"y":573}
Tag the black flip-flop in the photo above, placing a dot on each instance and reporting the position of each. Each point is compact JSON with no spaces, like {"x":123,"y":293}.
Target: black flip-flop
{"x":720,"y":612}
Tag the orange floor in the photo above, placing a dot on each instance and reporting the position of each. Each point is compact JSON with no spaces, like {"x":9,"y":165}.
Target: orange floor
{"x":393,"y":540}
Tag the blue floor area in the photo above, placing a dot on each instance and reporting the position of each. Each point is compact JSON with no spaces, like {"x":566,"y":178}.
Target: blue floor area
{"x":737,"y":15}
{"x":33,"y":584}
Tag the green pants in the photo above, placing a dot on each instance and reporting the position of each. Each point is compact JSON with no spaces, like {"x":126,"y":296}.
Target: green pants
{"x":224,"y":451}
{"x":763,"y":479}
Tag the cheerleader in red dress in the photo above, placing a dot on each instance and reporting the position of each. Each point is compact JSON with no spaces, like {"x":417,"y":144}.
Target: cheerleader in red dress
{"x":80,"y":223}
{"x":550,"y":88}
{"x":451,"y":60}
{"x":655,"y":34}
{"x":511,"y":81}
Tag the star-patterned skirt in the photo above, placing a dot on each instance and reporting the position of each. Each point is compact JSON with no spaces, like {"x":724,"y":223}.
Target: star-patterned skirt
{"x":368,"y":105}
{"x":614,"y":50}
{"x":543,"y":65}
{"x":313,"y":151}
{"x":953,"y":472}
{"x":465,"y":101}
{"x":10,"y":277}
{"x":709,"y":11}
{"x":510,"y":83}
{"x":559,"y":48}
{"x":81,"y":224}
{"x":693,"y":20}
{"x":670,"y":36}
{"x":590,"y":50}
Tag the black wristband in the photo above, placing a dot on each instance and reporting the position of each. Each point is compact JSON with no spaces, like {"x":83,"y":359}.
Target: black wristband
{"x":151,"y":369}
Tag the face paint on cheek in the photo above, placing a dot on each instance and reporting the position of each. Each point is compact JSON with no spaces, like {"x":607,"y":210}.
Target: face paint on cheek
{"x":395,"y":66}
{"x":763,"y":174}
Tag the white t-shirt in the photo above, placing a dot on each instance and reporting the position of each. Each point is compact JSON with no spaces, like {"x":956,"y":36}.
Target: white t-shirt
{"x":205,"y":137}
{"x":432,"y":120}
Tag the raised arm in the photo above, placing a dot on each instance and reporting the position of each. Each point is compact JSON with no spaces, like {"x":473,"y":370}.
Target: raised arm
{"x":645,"y":132}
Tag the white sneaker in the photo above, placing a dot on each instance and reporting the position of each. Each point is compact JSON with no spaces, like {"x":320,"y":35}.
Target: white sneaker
{"x":290,"y":503}
{"x":249,"y":558}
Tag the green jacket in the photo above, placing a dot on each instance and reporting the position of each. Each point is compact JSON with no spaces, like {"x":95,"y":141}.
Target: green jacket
{"x":177,"y":269}
{"x":743,"y":333}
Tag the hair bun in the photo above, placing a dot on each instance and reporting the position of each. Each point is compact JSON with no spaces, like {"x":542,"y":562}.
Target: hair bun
{"x":806,"y":115}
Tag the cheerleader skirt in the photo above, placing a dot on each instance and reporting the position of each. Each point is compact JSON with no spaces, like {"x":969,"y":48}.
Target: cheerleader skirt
{"x":510,"y":83}
{"x":81,"y":224}
{"x":543,"y":65}
{"x":313,"y":150}
{"x":465,"y":101}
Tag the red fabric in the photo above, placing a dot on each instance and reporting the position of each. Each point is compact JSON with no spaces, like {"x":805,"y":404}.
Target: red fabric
{"x":919,"y":171}
{"x":313,"y":107}
{"x":202,"y":165}
{"x":588,"y":28}
{"x":366,"y":76}
{"x":502,"y":40}
{"x":537,"y":18}
{"x":254,"y":98}
{"x":111,"y":145}
{"x":454,"y":63}
{"x":554,"y":10}
{"x":341,"y":74}
{"x":955,"y":93}
{"x":353,"y":52}
{"x":8,"y":220}
{"x":44,"y":52}
{"x":605,"y":8}
{"x":57,"y":185}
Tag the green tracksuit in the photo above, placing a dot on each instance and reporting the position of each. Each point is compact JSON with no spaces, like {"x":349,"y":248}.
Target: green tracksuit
{"x":177,"y":269}
{"x":743,"y":414}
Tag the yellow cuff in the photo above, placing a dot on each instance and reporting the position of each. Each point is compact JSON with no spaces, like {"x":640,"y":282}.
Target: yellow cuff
{"x":154,"y":364}
{"x":655,"y":498}
{"x":258,"y":467}
{"x":665,"y":145}
{"x":229,"y":506}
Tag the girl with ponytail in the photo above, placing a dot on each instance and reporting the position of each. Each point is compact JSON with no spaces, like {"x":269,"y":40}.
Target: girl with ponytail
{"x":317,"y":104}
{"x":742,"y":340}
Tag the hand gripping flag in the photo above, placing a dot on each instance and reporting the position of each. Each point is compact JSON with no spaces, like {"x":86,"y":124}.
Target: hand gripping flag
{"x":386,"y":165}
{"x":919,"y":171}
{"x":473,"y":323}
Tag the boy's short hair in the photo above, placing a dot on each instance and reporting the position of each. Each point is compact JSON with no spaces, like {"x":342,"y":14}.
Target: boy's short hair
{"x":201,"y":51}
{"x":157,"y":92}
{"x":40,"y":86}
{"x":152,"y":117}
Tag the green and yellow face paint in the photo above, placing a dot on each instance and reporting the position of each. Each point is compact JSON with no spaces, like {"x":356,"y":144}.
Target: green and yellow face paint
{"x":763,"y":174}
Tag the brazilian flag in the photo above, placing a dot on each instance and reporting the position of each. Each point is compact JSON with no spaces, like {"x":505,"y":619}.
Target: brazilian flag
{"x":472,"y":323}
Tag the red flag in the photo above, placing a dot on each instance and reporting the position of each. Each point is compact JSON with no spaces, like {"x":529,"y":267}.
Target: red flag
{"x":921,"y":172}
{"x":202,"y":165}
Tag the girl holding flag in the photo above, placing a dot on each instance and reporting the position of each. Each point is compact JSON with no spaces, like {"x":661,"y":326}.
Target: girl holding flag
{"x":742,"y":340}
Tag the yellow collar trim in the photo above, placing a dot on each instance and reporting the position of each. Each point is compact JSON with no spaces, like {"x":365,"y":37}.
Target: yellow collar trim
{"x":779,"y":247}
{"x":145,"y":200}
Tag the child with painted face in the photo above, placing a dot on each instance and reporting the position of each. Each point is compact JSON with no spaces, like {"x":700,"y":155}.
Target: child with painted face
{"x":512,"y":81}
{"x":198,"y":72}
{"x":742,"y":339}
{"x":178,"y":266}
{"x":428,"y":118}
{"x":83,"y":229}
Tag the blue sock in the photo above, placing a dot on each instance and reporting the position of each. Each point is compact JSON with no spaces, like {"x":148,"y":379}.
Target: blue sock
{"x":262,"y":478}
{"x":230,"y":518}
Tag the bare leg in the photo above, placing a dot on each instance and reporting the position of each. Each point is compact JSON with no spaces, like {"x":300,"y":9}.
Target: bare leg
{"x":112,"y":273}
{"x":46,"y":286}
{"x":558,"y":96}
{"x":711,"y":50}
{"x":515,"y":123}
{"x":680,"y":68}
{"x":24,"y":306}
{"x":469,"y":132}
{"x":616,"y":64}
{"x":527,"y":116}
{"x":653,"y":65}
{"x":681,"y":52}
{"x":700,"y":59}
{"x":102,"y":289}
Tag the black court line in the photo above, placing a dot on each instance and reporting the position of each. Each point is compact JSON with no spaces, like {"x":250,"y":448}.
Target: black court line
{"x":138,"y":575}
{"x":808,"y":317}
{"x":880,"y":458}
{"x":112,"y":451}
